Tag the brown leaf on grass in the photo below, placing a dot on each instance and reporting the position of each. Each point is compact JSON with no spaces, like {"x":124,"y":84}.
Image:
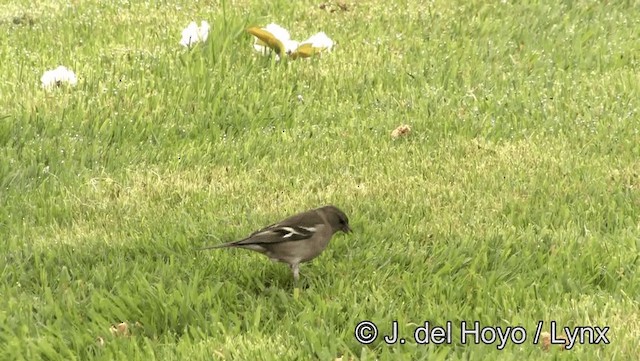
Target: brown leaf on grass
{"x":401,"y":131}
{"x":24,"y":19}
{"x":333,"y":7}
{"x":100,"y":341}
{"x":546,"y":341}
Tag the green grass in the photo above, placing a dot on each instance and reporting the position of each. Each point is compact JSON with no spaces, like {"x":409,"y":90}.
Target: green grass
{"x":516,"y":198}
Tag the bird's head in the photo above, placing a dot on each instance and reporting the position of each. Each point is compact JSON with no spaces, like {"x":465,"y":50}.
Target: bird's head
{"x":338,"y":220}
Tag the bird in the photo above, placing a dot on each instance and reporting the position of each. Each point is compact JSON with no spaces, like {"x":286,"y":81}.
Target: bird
{"x":296,"y":239}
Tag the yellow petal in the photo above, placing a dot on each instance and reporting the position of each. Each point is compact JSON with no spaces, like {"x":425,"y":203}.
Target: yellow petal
{"x":267,"y":38}
{"x":303,"y":51}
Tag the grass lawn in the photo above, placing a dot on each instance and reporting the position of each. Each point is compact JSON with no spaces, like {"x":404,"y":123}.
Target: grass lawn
{"x":515,"y":198}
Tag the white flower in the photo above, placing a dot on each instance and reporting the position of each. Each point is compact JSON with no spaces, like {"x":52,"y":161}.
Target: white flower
{"x":319,"y":41}
{"x":58,"y":76}
{"x":193,"y":34}
{"x":275,"y":37}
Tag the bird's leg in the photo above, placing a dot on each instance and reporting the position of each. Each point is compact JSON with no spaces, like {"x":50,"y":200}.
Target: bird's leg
{"x":295,"y":268}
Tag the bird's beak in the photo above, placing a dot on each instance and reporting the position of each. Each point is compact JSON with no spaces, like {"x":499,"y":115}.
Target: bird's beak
{"x":346,"y":229}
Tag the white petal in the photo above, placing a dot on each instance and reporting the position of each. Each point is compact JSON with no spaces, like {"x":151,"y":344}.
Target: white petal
{"x":46,"y":79}
{"x":260,"y":47}
{"x":189,"y":34}
{"x":290,"y":46}
{"x":67,"y":75}
{"x":278,"y":32}
{"x":203,"y":32}
{"x":320,"y":40}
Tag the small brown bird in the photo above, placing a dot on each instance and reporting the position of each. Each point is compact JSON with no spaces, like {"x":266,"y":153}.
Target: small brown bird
{"x":296,"y":239}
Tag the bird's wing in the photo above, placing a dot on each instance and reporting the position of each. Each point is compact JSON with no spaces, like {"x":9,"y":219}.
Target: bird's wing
{"x":295,"y":228}
{"x":298,"y":227}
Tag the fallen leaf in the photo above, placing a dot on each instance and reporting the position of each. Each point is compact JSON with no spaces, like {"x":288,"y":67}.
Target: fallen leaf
{"x":333,"y":7}
{"x":401,"y":131}
{"x":546,"y":340}
{"x":121,"y":329}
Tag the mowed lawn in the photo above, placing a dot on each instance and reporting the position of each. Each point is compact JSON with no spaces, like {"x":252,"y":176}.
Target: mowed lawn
{"x":514,"y":199}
